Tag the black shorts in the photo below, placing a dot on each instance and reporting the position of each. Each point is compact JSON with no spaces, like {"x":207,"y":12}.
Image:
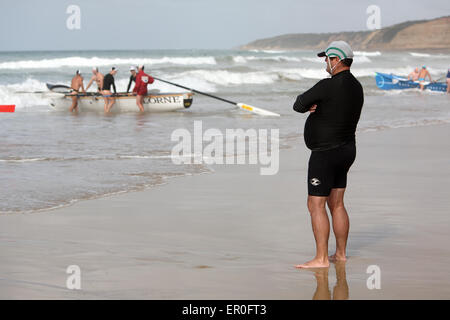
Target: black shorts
{"x":328,"y":169}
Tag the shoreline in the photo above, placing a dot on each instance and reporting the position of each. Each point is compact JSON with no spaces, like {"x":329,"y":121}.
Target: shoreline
{"x":208,"y":169}
{"x":235,"y":234}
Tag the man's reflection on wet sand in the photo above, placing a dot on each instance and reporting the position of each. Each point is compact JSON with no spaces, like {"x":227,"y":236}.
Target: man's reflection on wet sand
{"x":340,"y":290}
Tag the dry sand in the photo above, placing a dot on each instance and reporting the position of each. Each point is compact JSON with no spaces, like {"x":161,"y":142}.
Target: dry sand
{"x":235,"y":234}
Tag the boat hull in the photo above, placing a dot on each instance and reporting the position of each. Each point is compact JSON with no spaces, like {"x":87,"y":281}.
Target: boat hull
{"x":392,"y":82}
{"x":124,"y":102}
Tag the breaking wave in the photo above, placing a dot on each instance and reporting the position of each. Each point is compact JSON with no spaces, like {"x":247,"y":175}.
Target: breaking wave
{"x":99,"y":62}
{"x":367,"y":53}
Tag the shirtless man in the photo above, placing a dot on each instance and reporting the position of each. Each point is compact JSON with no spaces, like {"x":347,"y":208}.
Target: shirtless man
{"x":77,"y":83}
{"x":98,"y":78}
{"x":414,"y":76}
{"x":423,"y":74}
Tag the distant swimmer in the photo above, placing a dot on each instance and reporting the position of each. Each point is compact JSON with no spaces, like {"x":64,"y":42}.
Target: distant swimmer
{"x":132,"y":78}
{"x":142,"y":80}
{"x":108,"y":81}
{"x":448,"y":81}
{"x":98,"y":78}
{"x":414,"y":75}
{"x":335,"y":106}
{"x":77,"y":83}
{"x":423,"y":74}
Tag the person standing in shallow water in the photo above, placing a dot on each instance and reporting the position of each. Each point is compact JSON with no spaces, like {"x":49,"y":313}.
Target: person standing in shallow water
{"x":140,"y":88}
{"x":108,"y":96}
{"x":335,"y":106}
{"x":75,"y":86}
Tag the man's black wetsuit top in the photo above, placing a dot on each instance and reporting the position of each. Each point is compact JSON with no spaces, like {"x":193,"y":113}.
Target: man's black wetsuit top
{"x":108,"y":81}
{"x":339,"y":102}
{"x":132,"y":79}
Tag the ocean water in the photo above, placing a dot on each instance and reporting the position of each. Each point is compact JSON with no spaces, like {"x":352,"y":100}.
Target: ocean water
{"x":52,"y":158}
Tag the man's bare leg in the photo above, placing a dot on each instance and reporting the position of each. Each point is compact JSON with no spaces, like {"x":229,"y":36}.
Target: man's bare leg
{"x":321,"y":229}
{"x":74,"y":103}
{"x":341,"y":222}
{"x":105,"y":108}
{"x":139,"y":100}
{"x":111,"y":101}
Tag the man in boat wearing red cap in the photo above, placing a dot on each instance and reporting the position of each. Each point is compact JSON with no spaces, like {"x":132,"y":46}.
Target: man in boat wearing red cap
{"x":142,"y":80}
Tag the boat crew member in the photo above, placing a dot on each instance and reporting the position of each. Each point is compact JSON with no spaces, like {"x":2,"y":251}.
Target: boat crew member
{"x":414,"y":75}
{"x":132,"y":78}
{"x":77,"y":83}
{"x":448,"y":81}
{"x":142,"y":80}
{"x":108,"y":81}
{"x":423,"y":74}
{"x":335,"y":107}
{"x":98,"y":78}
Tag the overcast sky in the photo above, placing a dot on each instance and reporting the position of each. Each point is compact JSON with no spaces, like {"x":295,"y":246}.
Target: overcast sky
{"x":185,"y":24}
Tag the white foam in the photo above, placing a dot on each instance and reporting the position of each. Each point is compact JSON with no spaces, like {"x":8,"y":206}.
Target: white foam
{"x":361,"y":59}
{"x":99,"y":62}
{"x":9,"y":95}
{"x":181,"y":79}
{"x":416,"y":54}
{"x":302,"y":73}
{"x":242,"y":59}
{"x":226,"y":78}
{"x":23,"y":160}
{"x":268,"y":51}
{"x":356,"y":59}
{"x":314,"y":59}
{"x":367,"y":53}
{"x":428,"y":55}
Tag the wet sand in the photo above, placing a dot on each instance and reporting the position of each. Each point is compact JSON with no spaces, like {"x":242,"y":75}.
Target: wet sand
{"x":235,"y":234}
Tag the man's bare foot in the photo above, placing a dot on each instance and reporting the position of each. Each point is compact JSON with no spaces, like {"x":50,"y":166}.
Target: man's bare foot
{"x":336,"y":257}
{"x":315,"y":263}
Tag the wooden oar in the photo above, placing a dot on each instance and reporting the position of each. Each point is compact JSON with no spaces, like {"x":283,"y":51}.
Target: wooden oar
{"x":240,"y":105}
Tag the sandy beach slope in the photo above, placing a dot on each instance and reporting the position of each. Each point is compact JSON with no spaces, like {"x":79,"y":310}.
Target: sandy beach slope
{"x":234,"y":234}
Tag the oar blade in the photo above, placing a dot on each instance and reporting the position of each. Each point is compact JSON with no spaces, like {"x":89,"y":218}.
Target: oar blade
{"x":59,"y":88}
{"x":256,"y":110}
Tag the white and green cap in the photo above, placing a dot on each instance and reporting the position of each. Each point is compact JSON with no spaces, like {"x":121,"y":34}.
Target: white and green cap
{"x":340,"y":49}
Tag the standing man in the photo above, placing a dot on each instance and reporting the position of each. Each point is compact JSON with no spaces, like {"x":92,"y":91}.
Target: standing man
{"x":108,"y":81}
{"x":77,"y":83}
{"x":98,"y":78}
{"x":132,"y":78}
{"x":335,"y":106}
{"x":142,"y":80}
{"x":423,"y":74}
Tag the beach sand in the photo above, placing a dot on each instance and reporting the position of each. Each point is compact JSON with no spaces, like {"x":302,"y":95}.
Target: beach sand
{"x":235,"y":234}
